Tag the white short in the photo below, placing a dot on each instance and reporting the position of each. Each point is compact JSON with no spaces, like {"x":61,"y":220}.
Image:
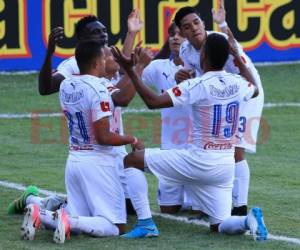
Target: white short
{"x":93,"y":186}
{"x":170,"y":194}
{"x":120,"y":166}
{"x":210,"y":185}
{"x":250,"y":116}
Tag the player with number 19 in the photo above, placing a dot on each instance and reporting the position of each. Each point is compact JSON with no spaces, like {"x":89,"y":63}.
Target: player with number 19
{"x":208,"y":166}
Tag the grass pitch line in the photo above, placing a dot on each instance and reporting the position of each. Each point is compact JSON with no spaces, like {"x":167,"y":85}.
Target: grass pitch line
{"x":182,"y":219}
{"x":125,"y":111}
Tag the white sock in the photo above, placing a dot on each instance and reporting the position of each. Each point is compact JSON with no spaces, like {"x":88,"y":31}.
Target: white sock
{"x":234,"y":225}
{"x":241,"y":184}
{"x":48,"y":219}
{"x":138,"y":192}
{"x":32,"y":199}
{"x":95,"y":226}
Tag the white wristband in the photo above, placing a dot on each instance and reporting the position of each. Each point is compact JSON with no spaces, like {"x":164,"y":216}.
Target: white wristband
{"x":223,"y":25}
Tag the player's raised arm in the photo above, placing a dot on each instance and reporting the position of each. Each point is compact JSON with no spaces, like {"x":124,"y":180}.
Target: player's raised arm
{"x":244,"y":70}
{"x":49,"y":83}
{"x":151,"y":99}
{"x":219,"y":16}
{"x":127,"y":90}
{"x":134,"y":26}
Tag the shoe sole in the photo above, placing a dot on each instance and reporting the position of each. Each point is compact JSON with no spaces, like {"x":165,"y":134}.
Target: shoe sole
{"x":28,"y":228}
{"x":59,"y":233}
{"x":260,"y":232}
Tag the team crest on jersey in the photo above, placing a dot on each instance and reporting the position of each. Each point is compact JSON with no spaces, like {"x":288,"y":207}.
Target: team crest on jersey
{"x":105,"y":106}
{"x":176,"y":91}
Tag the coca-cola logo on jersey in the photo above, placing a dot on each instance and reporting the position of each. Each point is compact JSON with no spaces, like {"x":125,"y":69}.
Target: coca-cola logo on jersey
{"x":217,"y":146}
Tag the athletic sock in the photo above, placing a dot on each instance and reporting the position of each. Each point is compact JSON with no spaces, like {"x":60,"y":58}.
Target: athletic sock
{"x":138,"y":192}
{"x":95,"y":226}
{"x":234,"y":225}
{"x":241,"y":184}
{"x":48,"y":219}
{"x":32,"y":199}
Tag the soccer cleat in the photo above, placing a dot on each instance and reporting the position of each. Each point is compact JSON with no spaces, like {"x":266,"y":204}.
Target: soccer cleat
{"x":63,"y":227}
{"x":142,"y":230}
{"x":18,"y":205}
{"x":256,"y":224}
{"x":31,"y":222}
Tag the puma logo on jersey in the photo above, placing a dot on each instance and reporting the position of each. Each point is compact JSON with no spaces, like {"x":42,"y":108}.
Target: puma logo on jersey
{"x":165,"y":75}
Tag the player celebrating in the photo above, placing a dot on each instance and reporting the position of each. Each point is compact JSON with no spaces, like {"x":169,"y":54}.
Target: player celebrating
{"x":208,"y":166}
{"x":95,"y":196}
{"x":192,"y":28}
{"x":176,"y":122}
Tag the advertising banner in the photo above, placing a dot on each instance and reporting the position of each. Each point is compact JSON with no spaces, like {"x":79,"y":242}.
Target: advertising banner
{"x":269,"y":30}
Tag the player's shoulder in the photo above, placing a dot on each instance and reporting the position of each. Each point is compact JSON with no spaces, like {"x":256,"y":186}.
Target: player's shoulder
{"x":93,"y":83}
{"x":71,"y":61}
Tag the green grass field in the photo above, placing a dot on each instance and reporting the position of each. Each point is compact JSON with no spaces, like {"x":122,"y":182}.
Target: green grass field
{"x":34,"y":152}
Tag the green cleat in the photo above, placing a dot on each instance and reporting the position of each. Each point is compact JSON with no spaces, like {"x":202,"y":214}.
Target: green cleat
{"x":18,"y":205}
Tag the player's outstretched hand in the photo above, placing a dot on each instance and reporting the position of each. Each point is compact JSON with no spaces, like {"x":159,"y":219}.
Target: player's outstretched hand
{"x":56,"y":35}
{"x":134,"y":22}
{"x":182,"y":75}
{"x":125,"y":62}
{"x":219,"y":15}
{"x":143,"y":56}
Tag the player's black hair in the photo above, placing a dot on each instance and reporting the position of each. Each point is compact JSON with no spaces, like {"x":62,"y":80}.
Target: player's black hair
{"x":182,"y":12}
{"x":171,"y":28}
{"x":82,"y":23}
{"x":216,"y":49}
{"x":86,"y":52}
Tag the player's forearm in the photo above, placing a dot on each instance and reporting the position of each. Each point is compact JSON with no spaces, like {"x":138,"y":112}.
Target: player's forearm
{"x":126,"y":93}
{"x":149,"y":97}
{"x":49,"y":83}
{"x":244,"y":70}
{"x":45,"y":76}
{"x":129,"y":43}
{"x":113,"y":139}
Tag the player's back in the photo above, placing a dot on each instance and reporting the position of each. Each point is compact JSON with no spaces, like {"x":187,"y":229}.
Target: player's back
{"x":217,"y":96}
{"x":84,"y":99}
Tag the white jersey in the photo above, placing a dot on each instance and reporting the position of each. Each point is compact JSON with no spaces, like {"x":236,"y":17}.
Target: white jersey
{"x":215,"y":98}
{"x":69,"y":68}
{"x":84,"y":99}
{"x":175,"y":122}
{"x":191,"y":59}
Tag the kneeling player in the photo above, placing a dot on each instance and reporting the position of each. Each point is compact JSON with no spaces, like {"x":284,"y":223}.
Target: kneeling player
{"x":208,"y":166}
{"x":96,"y":200}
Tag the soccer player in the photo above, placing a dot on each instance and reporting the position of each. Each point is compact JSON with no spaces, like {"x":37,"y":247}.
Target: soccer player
{"x":208,"y":166}
{"x":90,"y":28}
{"x":96,"y":201}
{"x":193,"y":29}
{"x":52,"y":203}
{"x":175,"y":122}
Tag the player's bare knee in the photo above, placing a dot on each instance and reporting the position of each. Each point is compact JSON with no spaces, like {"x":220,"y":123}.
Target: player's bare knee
{"x":239,"y":154}
{"x":134,"y":159}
